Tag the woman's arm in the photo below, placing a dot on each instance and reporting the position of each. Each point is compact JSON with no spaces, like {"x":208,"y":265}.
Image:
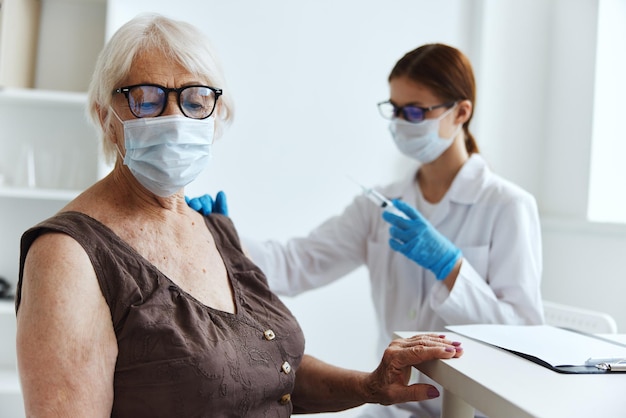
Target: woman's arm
{"x":321,"y":387}
{"x":331,"y":250}
{"x":504,"y":286}
{"x":66,"y":346}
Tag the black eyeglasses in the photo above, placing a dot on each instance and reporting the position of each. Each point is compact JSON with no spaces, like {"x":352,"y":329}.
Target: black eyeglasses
{"x":150,"y":100}
{"x":411,"y":113}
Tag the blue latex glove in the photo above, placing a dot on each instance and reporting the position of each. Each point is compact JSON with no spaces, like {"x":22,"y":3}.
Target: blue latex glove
{"x":417,"y":239}
{"x":206,"y":205}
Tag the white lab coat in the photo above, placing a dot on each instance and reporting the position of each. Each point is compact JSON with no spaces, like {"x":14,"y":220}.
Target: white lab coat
{"x":494,"y":223}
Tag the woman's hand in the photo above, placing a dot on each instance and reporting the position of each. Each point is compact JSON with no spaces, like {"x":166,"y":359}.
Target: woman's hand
{"x":388,"y":384}
{"x":321,"y":387}
{"x":417,"y":239}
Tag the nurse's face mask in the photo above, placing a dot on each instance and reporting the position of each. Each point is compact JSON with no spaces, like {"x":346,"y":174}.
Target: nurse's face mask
{"x":420,"y":140}
{"x":413,"y":134}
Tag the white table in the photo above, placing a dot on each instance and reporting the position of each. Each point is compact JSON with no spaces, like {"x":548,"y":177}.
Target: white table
{"x":501,"y":384}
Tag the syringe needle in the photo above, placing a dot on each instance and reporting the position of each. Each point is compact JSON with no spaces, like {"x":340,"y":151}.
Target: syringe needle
{"x":380,"y":200}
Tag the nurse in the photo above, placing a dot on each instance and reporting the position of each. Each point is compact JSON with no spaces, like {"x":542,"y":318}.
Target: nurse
{"x":470,"y":251}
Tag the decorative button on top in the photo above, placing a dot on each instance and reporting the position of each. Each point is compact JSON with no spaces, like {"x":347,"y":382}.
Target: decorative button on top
{"x":269,"y":335}
{"x":285,"y":399}
{"x":286,"y":367}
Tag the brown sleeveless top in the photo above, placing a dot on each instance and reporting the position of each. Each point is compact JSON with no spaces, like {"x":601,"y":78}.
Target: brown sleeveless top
{"x":178,"y":357}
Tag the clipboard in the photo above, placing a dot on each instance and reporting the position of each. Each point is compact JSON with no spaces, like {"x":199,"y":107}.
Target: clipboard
{"x":558,"y":349}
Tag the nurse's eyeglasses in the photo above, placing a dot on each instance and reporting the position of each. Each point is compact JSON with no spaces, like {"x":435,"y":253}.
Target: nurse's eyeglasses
{"x":150,"y":100}
{"x":411,"y":113}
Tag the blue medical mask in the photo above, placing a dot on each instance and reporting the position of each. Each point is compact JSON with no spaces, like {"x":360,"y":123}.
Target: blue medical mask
{"x":166,"y":153}
{"x":421,"y":140}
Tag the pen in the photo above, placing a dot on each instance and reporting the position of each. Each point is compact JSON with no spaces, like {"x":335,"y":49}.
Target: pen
{"x":608,"y":360}
{"x":613,"y":367}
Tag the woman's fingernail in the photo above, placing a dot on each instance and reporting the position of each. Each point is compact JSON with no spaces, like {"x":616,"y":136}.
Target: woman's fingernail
{"x":456,"y":343}
{"x":432,"y":392}
{"x":450,"y":350}
{"x":458,"y":349}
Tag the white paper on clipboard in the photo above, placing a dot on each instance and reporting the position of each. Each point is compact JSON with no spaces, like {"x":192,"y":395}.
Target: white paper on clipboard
{"x":556,"y":346}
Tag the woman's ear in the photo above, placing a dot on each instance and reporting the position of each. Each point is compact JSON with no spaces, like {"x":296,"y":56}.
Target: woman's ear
{"x":464,"y":111}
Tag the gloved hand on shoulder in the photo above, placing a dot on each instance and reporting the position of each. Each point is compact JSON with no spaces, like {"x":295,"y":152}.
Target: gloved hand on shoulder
{"x":206,"y":205}
{"x":417,"y":239}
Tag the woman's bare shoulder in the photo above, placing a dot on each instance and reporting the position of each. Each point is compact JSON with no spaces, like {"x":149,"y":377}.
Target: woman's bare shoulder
{"x":57,"y":267}
{"x":65,"y":338}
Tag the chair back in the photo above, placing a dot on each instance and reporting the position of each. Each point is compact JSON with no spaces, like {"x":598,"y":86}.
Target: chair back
{"x":578,"y":319}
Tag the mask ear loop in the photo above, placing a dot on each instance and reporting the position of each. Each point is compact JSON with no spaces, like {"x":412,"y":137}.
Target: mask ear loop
{"x":444,"y":114}
{"x":122,"y":122}
{"x":119,"y":152}
{"x":447,"y":112}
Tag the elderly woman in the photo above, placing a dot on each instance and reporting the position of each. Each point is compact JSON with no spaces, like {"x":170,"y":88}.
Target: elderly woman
{"x":132,"y":304}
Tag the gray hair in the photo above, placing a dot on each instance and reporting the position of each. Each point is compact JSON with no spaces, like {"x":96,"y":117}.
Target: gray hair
{"x":181,"y":41}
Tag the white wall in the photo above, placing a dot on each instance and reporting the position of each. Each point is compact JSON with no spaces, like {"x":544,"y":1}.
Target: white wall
{"x":609,"y":147}
{"x":536,"y":97}
{"x":536,"y":123}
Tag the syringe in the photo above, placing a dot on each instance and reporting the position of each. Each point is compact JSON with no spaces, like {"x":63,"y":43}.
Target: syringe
{"x":380,"y":200}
